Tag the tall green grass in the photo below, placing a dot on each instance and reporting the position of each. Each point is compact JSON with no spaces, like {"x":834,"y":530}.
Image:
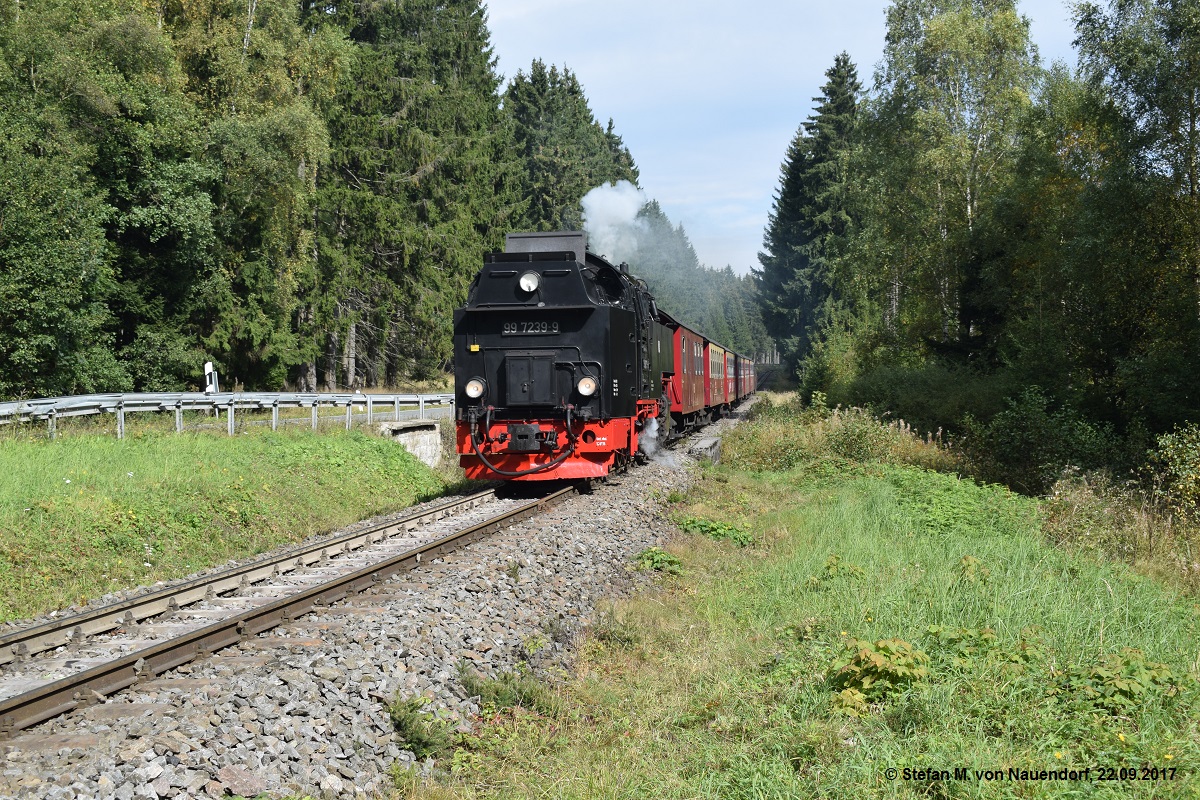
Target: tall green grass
{"x":888,"y":617}
{"x":89,"y":514}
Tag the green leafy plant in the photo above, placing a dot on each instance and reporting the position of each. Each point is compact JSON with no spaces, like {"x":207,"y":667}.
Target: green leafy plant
{"x":659,"y":560}
{"x":878,"y":669}
{"x":836,"y":568}
{"x":1118,"y":683}
{"x":972,"y":571}
{"x":720,"y":531}
{"x":851,"y":702}
{"x":857,"y":435}
{"x":1177,"y":463}
{"x":1026,"y":445}
{"x":534,"y":645}
{"x":806,"y":629}
{"x":963,"y":645}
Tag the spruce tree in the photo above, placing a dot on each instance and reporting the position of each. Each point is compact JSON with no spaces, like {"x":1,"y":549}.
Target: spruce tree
{"x":785,"y":257}
{"x":829,"y":176}
{"x":421,"y":182}
{"x":565,"y":152}
{"x":810,"y":216}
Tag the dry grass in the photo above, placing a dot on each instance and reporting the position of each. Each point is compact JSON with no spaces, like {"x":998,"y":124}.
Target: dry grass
{"x":1122,"y":522}
{"x":786,"y":434}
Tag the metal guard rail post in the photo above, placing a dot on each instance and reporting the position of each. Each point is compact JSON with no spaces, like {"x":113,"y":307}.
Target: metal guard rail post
{"x":52,"y":409}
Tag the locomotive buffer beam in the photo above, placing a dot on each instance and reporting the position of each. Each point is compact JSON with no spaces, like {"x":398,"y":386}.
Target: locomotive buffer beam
{"x":529,"y":438}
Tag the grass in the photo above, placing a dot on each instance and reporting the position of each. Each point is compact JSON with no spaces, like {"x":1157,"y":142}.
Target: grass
{"x":1092,"y":514}
{"x":886,"y":617}
{"x":85,"y":515}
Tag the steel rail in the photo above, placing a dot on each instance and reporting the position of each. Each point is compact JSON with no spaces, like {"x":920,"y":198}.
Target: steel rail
{"x":20,"y":644}
{"x":95,"y":684}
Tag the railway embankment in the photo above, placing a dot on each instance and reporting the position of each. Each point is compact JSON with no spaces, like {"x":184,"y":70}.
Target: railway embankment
{"x":839,"y":618}
{"x":87,"y":516}
{"x":312,"y":708}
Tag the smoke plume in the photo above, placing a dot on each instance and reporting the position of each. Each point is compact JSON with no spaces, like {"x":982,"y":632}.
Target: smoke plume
{"x":610,"y":218}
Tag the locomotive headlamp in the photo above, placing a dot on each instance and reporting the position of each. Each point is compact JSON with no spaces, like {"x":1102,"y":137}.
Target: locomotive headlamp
{"x":586,"y":386}
{"x":474,"y":388}
{"x":529,"y":282}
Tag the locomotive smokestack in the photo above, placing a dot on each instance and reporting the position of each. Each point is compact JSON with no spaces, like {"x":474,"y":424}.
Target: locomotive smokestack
{"x":549,"y":242}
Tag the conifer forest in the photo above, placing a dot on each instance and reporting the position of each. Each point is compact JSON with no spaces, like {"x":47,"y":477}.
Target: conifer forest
{"x":962,"y":235}
{"x":299,"y":192}
{"x":996,"y":247}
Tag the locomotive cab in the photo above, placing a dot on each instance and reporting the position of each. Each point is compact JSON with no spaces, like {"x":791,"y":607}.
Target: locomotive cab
{"x":559,"y":362}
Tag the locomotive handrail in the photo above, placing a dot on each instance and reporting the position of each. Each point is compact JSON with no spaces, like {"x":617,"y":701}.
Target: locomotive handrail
{"x":383,"y":406}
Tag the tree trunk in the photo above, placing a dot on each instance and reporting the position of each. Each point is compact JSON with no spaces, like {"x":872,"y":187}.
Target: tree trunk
{"x":331,"y":359}
{"x":350,"y":358}
{"x":249,"y":25}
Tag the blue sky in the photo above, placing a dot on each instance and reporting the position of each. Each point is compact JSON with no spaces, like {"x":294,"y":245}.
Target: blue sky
{"x":707,"y":95}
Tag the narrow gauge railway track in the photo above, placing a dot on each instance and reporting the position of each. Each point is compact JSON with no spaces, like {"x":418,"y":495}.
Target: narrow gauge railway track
{"x":73,"y":662}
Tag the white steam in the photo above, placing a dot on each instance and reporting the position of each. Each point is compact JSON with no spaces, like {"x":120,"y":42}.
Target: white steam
{"x":648,"y":441}
{"x":610,"y":218}
{"x":649,"y":444}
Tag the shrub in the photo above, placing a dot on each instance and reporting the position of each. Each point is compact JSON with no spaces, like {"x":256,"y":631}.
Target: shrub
{"x":877,"y":669}
{"x":1176,"y":462}
{"x":720,"y":531}
{"x":1027,"y":445}
{"x":1119,"y":683}
{"x":1089,"y":511}
{"x":424,"y":734}
{"x":933,"y":396}
{"x":972,"y":571}
{"x":511,"y":690}
{"x":786,"y":434}
{"x":855,"y":434}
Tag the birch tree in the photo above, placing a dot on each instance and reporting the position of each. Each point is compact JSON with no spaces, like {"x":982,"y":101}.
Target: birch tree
{"x":956,"y":78}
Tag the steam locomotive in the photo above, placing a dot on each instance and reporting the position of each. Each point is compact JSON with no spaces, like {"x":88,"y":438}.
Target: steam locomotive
{"x":565,"y":367}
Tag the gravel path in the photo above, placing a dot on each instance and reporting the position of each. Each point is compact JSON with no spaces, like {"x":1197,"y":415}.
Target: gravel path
{"x":303,"y":709}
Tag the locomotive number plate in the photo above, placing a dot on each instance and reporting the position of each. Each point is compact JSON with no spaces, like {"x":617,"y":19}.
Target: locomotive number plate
{"x":521,"y":328}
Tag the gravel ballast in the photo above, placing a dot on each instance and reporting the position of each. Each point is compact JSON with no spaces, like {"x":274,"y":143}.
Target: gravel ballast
{"x":303,"y":709}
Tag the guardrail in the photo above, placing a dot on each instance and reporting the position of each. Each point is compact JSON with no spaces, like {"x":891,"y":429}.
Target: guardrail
{"x":52,"y":409}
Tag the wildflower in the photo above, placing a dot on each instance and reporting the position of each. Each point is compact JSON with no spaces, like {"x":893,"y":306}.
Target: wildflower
{"x":1058,"y":754}
{"x":1121,"y":736}
{"x":145,"y":563}
{"x":1168,"y":756}
{"x":68,"y":480}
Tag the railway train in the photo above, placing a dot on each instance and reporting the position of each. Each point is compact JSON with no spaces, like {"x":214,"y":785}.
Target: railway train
{"x":565,"y":367}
